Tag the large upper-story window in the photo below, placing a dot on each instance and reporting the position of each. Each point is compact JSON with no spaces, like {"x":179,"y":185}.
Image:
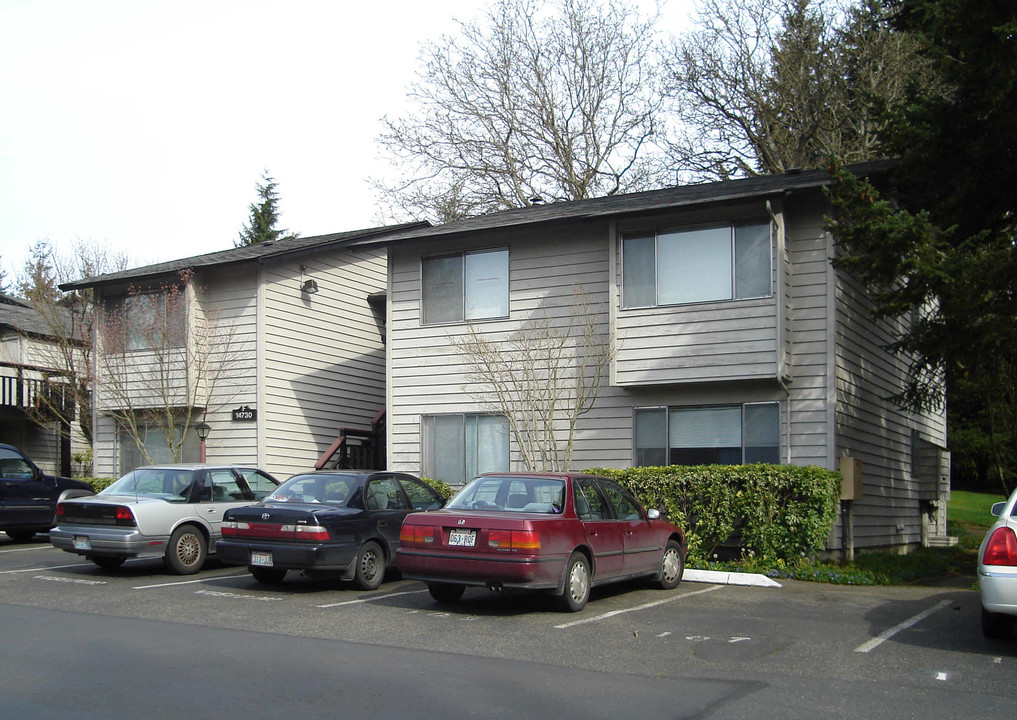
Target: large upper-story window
{"x":469,"y":286}
{"x":671,"y":267}
{"x":146,"y":321}
{"x":717,"y":435}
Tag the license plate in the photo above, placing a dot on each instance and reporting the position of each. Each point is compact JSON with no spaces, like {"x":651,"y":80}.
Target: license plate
{"x":82,"y":542}
{"x":462,"y":538}
{"x":261,"y":559}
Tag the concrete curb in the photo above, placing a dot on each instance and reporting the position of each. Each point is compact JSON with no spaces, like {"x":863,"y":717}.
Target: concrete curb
{"x":717,"y":577}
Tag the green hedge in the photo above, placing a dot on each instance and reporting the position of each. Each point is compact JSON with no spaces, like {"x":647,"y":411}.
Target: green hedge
{"x":780,"y":511}
{"x":98,"y":483}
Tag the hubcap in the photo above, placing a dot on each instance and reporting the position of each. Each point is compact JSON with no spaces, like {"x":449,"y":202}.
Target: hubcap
{"x":188,"y":549}
{"x":671,"y":565}
{"x":578,"y":582}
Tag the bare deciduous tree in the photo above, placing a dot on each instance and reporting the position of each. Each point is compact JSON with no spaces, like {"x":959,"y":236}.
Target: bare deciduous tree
{"x":543,"y":378}
{"x":764,"y":86}
{"x":162,"y":363}
{"x":552,"y":99}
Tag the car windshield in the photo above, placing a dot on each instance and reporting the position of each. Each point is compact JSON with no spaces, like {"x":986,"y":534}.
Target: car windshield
{"x":167,"y":484}
{"x":328,"y":489}
{"x":511,"y":494}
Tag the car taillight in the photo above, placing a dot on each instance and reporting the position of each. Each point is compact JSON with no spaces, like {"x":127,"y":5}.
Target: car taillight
{"x":507,"y":540}
{"x":306,"y":532}
{"x":232,"y":527}
{"x":1001,"y":549}
{"x":416,"y":534}
{"x":124,"y":516}
{"x":60,"y":511}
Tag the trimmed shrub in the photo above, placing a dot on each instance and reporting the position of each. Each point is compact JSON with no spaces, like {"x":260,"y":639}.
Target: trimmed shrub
{"x":779,"y":511}
{"x":442,"y":487}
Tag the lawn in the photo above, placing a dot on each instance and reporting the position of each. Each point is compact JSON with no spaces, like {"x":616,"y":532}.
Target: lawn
{"x":968,"y":518}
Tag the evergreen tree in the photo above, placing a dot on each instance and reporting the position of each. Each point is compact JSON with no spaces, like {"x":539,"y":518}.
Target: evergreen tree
{"x":264,"y":216}
{"x":38,"y":282}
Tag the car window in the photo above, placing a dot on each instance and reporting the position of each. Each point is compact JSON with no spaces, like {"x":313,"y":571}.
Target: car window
{"x":384,"y":494}
{"x":259,"y":483}
{"x":625,"y":506}
{"x":12,"y":465}
{"x":301,"y":488}
{"x":421,"y":496}
{"x":590,"y":504}
{"x":224,"y":487}
{"x":166,"y":484}
{"x":511,"y":494}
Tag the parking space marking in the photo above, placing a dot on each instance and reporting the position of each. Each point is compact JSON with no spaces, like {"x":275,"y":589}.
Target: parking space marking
{"x":73,"y":581}
{"x":187,"y":582}
{"x":644,"y":606}
{"x":40,"y":569}
{"x":372,"y":597}
{"x":887,"y":634}
{"x":26,"y":549}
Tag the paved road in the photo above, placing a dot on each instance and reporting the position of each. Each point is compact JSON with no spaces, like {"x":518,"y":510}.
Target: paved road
{"x":196,"y":646}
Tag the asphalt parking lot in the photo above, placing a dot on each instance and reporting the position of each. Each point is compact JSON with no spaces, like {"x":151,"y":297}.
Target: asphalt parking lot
{"x":821,"y":640}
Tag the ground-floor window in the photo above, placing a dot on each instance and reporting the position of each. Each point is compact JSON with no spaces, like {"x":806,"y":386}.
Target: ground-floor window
{"x":710,"y":435}
{"x":156,"y":447}
{"x":459,"y":447}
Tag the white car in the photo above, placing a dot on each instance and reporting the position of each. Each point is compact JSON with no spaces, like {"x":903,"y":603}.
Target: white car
{"x":997,"y":571}
{"x":169,"y":511}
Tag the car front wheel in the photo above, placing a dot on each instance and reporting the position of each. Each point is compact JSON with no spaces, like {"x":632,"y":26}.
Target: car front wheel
{"x":186,"y":551}
{"x":577,"y":584}
{"x":268,"y":576}
{"x":20,"y":536}
{"x":996,"y":626}
{"x":672,"y":566}
{"x":108,"y":562}
{"x":446,"y":592}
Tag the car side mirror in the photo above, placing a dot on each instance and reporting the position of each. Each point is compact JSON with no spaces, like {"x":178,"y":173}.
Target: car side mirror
{"x":653,"y":514}
{"x":997,"y":508}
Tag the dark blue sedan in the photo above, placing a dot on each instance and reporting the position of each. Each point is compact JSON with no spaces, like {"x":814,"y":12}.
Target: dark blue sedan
{"x":339,"y":523}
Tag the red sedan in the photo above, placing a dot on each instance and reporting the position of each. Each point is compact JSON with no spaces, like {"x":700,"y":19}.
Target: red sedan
{"x":559,"y":532}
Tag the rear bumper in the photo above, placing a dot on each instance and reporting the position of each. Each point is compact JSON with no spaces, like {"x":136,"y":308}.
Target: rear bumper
{"x":999,"y":589}
{"x":119,"y":542}
{"x":290,"y":556}
{"x":481,"y":570}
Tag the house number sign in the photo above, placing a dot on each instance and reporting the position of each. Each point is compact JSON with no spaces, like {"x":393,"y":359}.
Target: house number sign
{"x":245,"y":414}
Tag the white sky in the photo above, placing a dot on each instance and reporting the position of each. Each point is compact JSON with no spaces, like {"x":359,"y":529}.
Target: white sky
{"x":146,"y":124}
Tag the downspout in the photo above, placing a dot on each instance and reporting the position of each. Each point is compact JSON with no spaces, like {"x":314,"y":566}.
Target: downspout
{"x":781,"y":327}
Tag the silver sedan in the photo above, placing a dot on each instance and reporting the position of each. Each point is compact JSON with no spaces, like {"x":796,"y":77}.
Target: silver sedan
{"x":169,"y":511}
{"x":997,"y":571}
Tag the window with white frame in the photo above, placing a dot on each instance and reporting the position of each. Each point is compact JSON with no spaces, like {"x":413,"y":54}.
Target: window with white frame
{"x":468,"y":286}
{"x":675,"y":266}
{"x":459,"y":447}
{"x":714,"y":435}
{"x":157,"y":447}
{"x":146,"y":321}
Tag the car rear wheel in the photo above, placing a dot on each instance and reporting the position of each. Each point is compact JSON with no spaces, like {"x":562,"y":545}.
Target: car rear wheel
{"x":577,"y":584}
{"x":186,"y":551}
{"x":996,"y":626}
{"x":21,"y":536}
{"x":446,"y":592}
{"x":268,"y":576}
{"x":672,"y":566}
{"x":370,"y":566}
{"x":108,"y":562}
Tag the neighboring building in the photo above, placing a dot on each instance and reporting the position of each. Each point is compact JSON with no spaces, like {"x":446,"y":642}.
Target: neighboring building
{"x":29,"y":370}
{"x":297,"y":343}
{"x":735,"y":341}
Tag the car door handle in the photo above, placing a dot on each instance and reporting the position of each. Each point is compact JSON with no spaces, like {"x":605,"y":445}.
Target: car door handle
{"x":210,"y":510}
{"x":382,"y":523}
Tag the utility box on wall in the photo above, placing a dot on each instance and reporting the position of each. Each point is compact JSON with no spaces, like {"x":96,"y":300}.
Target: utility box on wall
{"x":851,"y":478}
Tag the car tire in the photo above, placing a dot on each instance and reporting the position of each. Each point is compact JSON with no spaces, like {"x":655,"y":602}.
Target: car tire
{"x":186,"y":551}
{"x":672,"y":566}
{"x":370,"y":569}
{"x":108,"y":562}
{"x":996,"y":626}
{"x":20,"y":536}
{"x":576,"y":587}
{"x":446,"y":592}
{"x":267,"y":575}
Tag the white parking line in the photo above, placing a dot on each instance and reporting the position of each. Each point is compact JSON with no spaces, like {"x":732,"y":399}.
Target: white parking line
{"x":40,"y":569}
{"x":372,"y":597}
{"x":887,"y":634}
{"x":25,"y":549}
{"x":187,"y":582}
{"x":638,"y":607}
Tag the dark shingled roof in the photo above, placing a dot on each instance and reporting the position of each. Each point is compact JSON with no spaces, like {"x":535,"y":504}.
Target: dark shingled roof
{"x":249,"y":253}
{"x":632,"y":204}
{"x":17,"y":315}
{"x":578,"y":210}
